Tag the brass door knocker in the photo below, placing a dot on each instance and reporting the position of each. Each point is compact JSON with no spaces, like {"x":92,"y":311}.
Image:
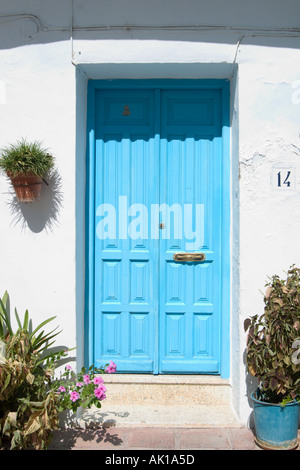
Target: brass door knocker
{"x":126,"y":111}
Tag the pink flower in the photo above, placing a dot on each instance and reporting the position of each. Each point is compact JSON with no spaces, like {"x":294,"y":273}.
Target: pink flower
{"x":102,"y":387}
{"x":79,"y":384}
{"x":99,"y":393}
{"x":74,"y":396}
{"x":86,"y":379}
{"x":68,"y":367}
{"x":61,"y":389}
{"x":98,"y":380}
{"x":111,"y":368}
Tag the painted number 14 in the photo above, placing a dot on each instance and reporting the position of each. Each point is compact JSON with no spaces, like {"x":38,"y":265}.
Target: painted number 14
{"x":283,"y":179}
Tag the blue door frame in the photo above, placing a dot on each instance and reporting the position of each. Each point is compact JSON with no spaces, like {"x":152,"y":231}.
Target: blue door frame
{"x":159,"y":89}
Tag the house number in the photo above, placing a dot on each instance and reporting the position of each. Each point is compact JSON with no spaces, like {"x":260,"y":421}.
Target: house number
{"x":283,"y":178}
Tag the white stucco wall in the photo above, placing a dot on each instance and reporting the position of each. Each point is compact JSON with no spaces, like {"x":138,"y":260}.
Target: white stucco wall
{"x":45,"y":61}
{"x":38,"y":240}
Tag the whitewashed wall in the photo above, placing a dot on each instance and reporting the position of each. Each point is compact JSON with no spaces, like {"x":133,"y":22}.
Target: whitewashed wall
{"x":37,"y":241}
{"x":48,"y":50}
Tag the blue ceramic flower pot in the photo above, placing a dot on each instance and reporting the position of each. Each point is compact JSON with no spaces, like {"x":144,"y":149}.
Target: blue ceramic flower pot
{"x":276,"y":426}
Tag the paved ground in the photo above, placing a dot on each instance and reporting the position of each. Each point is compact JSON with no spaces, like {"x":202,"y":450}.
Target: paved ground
{"x":143,"y":438}
{"x":157,"y":428}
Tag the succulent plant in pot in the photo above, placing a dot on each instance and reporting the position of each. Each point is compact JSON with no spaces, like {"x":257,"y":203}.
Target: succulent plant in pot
{"x":26,"y":164}
{"x":273,"y":357}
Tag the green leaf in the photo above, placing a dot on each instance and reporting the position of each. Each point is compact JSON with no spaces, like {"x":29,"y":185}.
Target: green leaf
{"x":41,"y":325}
{"x":18,"y":319}
{"x":5,"y":317}
{"x":46,"y":338}
{"x":33,"y":423}
{"x":7,"y":382}
{"x":38,"y":405}
{"x":10,"y":422}
{"x":287,"y":361}
{"x":30,"y":378}
{"x":5,"y":298}
{"x":273,"y":384}
{"x":87,"y":402}
{"x":247,"y":323}
{"x":4,"y":302}
{"x":17,"y":440}
{"x":26,"y":321}
{"x":44,"y":341}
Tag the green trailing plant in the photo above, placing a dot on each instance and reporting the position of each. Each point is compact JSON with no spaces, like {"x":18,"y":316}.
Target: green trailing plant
{"x":84,"y":389}
{"x":273,"y":341}
{"x":26,"y":158}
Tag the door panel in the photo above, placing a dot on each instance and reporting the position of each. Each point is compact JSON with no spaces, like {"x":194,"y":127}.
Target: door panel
{"x":158,"y":191}
{"x":190,"y":176}
{"x":125,"y":291}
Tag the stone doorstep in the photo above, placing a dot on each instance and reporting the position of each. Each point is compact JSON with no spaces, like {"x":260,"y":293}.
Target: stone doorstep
{"x":167,"y":390}
{"x":162,"y":416}
{"x":163,"y":401}
{"x":166,"y":378}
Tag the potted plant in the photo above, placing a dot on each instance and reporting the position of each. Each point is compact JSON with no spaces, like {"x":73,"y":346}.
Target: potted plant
{"x":26,"y":164}
{"x":31,"y":397}
{"x":272,"y":357}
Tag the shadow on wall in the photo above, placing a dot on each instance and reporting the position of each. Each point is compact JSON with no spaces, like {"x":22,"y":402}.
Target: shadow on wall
{"x":209,"y":22}
{"x":42,"y":214}
{"x":251,"y":386}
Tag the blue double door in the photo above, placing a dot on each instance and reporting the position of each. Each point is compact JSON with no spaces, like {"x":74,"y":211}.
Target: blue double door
{"x":157,"y":241}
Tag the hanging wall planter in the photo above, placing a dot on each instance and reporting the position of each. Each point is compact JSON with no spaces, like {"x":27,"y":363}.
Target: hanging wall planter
{"x":27,"y":188}
{"x":26,"y":164}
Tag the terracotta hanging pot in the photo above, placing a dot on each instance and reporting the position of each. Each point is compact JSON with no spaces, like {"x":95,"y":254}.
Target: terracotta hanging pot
{"x":27,"y":187}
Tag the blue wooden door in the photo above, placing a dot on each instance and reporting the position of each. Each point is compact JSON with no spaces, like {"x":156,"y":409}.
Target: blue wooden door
{"x":158,"y":192}
{"x":190,"y":184}
{"x":126,"y":258}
